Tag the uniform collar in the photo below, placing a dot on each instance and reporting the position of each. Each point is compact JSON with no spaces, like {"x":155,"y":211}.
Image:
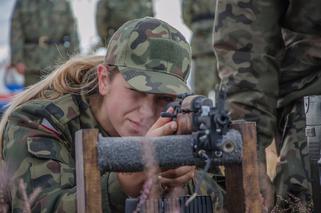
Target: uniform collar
{"x":87,"y":118}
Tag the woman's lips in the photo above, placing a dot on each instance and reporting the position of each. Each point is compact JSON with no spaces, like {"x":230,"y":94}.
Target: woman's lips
{"x":136,"y":125}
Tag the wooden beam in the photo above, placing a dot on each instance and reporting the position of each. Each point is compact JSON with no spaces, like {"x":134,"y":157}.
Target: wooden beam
{"x":87,"y":172}
{"x":242,"y":181}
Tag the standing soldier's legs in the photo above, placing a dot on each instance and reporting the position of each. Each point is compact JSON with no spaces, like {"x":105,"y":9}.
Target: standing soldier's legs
{"x":247,"y":40}
{"x":299,"y":76}
{"x":292,"y":179}
{"x":205,"y":74}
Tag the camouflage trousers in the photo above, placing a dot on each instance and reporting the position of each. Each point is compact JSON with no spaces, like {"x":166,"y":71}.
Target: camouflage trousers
{"x":292,"y":181}
{"x":269,"y":54}
{"x":204,"y":74}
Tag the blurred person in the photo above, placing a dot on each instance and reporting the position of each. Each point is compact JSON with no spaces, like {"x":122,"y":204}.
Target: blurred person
{"x":269,"y":55}
{"x":42,"y":34}
{"x":198,"y":16}
{"x":111,"y":14}
{"x":115,"y":94}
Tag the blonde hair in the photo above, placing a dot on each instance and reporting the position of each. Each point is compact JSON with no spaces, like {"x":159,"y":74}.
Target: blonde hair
{"x":77,"y":76}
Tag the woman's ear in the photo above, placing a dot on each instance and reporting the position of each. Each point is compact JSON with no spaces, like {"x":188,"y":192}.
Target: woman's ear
{"x":103,"y":78}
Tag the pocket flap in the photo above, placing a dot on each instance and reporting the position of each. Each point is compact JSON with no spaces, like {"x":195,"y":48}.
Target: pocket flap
{"x":48,"y":148}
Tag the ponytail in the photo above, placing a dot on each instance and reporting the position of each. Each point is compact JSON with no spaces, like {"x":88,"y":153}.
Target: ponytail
{"x":77,"y":76}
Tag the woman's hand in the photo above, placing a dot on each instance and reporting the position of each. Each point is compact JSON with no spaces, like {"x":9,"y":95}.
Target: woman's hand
{"x":180,"y":176}
{"x":132,"y":183}
{"x":177,"y":177}
{"x":163,"y":126}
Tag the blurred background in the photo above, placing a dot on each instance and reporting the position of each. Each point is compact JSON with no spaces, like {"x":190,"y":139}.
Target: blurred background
{"x":84,"y":11}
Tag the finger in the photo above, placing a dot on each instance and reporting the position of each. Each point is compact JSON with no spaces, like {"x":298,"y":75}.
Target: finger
{"x":159,"y":128}
{"x":131,"y":183}
{"x":158,"y":124}
{"x":167,"y":129}
{"x":178,"y":181}
{"x":162,"y":120}
{"x":173,"y":173}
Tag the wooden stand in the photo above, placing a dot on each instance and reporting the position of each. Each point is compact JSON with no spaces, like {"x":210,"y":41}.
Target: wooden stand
{"x":242,"y":181}
{"x":87,"y":172}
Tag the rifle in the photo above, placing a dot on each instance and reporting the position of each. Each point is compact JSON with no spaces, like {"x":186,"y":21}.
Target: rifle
{"x":211,"y":139}
{"x":206,"y":138}
{"x":312,"y":106}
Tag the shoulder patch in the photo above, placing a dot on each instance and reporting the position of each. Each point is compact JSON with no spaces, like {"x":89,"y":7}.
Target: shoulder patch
{"x":47,"y":125}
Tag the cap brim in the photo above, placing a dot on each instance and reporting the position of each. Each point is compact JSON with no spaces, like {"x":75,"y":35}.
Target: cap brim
{"x":154,"y":81}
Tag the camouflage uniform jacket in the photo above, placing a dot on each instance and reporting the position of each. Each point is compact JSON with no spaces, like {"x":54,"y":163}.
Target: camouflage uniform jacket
{"x":111,"y":14}
{"x":198,"y":15}
{"x":39,"y":147}
{"x":42,"y":33}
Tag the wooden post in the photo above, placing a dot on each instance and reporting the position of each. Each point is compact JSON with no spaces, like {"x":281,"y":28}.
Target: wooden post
{"x":242,"y":181}
{"x":87,"y":172}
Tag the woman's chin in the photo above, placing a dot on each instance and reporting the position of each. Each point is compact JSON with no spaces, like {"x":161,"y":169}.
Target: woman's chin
{"x":132,"y":132}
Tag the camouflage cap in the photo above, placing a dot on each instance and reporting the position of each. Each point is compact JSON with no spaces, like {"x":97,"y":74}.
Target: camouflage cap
{"x":152,"y":56}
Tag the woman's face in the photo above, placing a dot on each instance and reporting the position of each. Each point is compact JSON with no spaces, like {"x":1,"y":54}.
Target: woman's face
{"x":125,"y":111}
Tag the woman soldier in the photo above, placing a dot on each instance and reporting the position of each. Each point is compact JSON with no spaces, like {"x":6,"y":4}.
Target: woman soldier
{"x":146,"y":65}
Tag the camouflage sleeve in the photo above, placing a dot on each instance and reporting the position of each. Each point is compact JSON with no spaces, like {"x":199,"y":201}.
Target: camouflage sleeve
{"x":16,"y":35}
{"x":247,"y":40}
{"x":43,"y":159}
{"x":186,"y":12}
{"x":40,"y":160}
{"x":115,"y":198}
{"x":74,"y":39}
{"x":101,"y":20}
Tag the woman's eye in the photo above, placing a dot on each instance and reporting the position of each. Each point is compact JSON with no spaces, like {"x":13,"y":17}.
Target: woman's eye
{"x":132,"y":90}
{"x":166,"y":99}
